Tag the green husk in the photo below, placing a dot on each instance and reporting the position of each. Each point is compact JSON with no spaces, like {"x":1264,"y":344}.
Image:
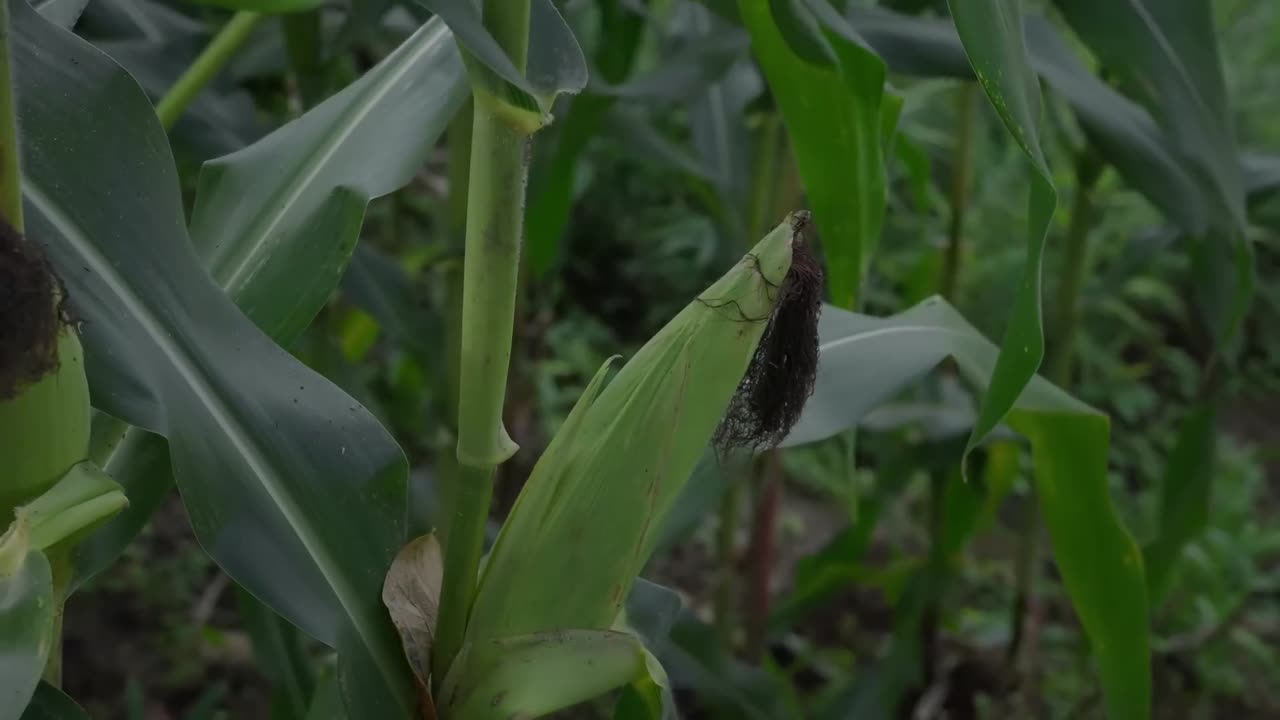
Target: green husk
{"x":588,"y":516}
{"x":44,"y":429}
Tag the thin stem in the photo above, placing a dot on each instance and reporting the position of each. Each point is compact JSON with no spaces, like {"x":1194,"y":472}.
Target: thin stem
{"x":1088,"y":170}
{"x":761,"y":552}
{"x":961,"y":179}
{"x":10,"y":161}
{"x":499,"y":168}
{"x":206,"y":66}
{"x":726,"y":559}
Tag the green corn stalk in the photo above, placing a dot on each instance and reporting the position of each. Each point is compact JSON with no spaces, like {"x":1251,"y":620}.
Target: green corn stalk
{"x":588,"y":517}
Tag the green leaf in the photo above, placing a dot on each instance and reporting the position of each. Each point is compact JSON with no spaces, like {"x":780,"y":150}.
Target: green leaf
{"x":1166,"y":52}
{"x":63,"y":13}
{"x":552,"y":185}
{"x":26,"y":620}
{"x":696,"y":659}
{"x":263,"y":6}
{"x":301,"y":191}
{"x":1123,"y":131}
{"x":294,"y":489}
{"x":537,"y":674}
{"x":379,"y":285}
{"x":991,"y":31}
{"x":1184,"y":496}
{"x":832,"y":114}
{"x":141,"y":465}
{"x":555,"y":61}
{"x":684,"y":71}
{"x":326,"y":703}
{"x":865,"y":360}
{"x":279,"y":653}
{"x":50,"y":703}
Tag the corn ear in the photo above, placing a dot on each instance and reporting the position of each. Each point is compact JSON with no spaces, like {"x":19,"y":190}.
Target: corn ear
{"x":44,"y":428}
{"x":588,"y":516}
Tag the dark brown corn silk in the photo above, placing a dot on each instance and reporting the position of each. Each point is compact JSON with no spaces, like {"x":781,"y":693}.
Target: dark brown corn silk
{"x":31,"y":313}
{"x":780,"y":378}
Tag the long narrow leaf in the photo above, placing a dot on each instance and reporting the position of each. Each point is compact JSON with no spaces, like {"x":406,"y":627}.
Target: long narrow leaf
{"x":991,"y":31}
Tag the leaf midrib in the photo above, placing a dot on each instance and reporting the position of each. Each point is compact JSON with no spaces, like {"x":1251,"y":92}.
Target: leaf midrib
{"x":264,"y":225}
{"x":878,"y":332}
{"x":222,"y":415}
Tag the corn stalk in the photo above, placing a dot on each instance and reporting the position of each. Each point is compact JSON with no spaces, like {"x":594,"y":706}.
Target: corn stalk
{"x":499,"y":168}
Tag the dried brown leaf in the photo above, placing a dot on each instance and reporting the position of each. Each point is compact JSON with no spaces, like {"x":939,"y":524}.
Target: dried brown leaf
{"x":411,"y":593}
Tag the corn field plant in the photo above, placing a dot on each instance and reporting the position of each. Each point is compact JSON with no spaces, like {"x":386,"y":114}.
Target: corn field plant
{"x":216,"y":217}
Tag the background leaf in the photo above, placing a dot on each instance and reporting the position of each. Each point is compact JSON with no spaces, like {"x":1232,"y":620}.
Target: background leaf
{"x":552,"y":184}
{"x":832,"y":115}
{"x":865,"y":360}
{"x":1167,"y":53}
{"x":302,"y":190}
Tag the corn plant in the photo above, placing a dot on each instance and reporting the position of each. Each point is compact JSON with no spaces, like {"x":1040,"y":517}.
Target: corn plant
{"x":146,"y":347}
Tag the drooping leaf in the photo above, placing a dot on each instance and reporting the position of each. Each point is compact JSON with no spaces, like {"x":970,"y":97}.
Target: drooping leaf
{"x":291,"y":486}
{"x":26,"y":620}
{"x":555,"y":62}
{"x":412,"y":596}
{"x":301,"y":191}
{"x":1166,"y":52}
{"x":832,"y":113}
{"x":865,"y":360}
{"x":991,"y":31}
